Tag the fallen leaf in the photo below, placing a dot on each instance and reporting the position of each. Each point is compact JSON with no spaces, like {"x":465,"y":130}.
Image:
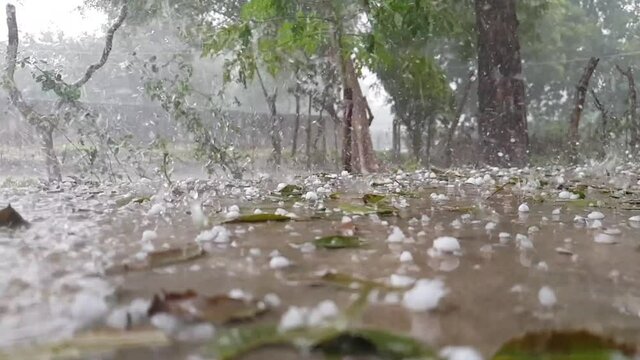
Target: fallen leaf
{"x":372,"y":199}
{"x":161,"y":258}
{"x":338,"y":242}
{"x":350,"y":209}
{"x":191,"y":306}
{"x":258,"y":218}
{"x":558,"y":345}
{"x":11,"y":219}
{"x":379,"y":343}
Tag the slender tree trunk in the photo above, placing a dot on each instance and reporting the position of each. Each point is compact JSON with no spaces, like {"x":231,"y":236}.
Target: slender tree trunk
{"x":309,"y":129}
{"x":276,"y":121}
{"x":448,"y":149}
{"x":502,"y":121}
{"x":426,"y":160}
{"x":347,"y":129}
{"x":395,"y":139}
{"x":45,"y":131}
{"x":581,"y":95}
{"x":604,"y":116}
{"x":634,"y":140}
{"x":416,"y":136}
{"x":296,"y":125}
{"x":321,"y":131}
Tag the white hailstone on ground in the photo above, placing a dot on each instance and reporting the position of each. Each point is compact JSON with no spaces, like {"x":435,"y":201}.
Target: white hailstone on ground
{"x":595,"y":224}
{"x":413,"y":222}
{"x":456,"y":224}
{"x":295,"y":317}
{"x":280,"y":211}
{"x":406,"y":256}
{"x":280,"y":187}
{"x":344,"y":173}
{"x":169,"y":324}
{"x":156,"y":209}
{"x":324,"y":311}
{"x":490,"y":226}
{"x":198,"y":217}
{"x":307,"y":248}
{"x":421,"y":234}
{"x":523,"y":242}
{"x":446,"y":244}
{"x":279,"y":262}
{"x":232,"y":213}
{"x":425,"y":219}
{"x":258,"y":211}
{"x":396,"y":235}
{"x":595,"y":215}
{"x":118,"y":319}
{"x":564,"y":195}
{"x":425,"y":295}
{"x":578,"y":219}
{"x":613,"y":231}
{"x":635,"y":218}
{"x":255,"y":252}
{"x":195,"y":333}
{"x":574,"y":197}
{"x":88,"y":309}
{"x":460,"y":353}
{"x":555,"y":211}
{"x":149,"y":235}
{"x":602,"y":238}
{"x":504,"y":235}
{"x":346,"y":220}
{"x":486,"y":249}
{"x":272,"y":300}
{"x":523,"y":208}
{"x":547,"y":297}
{"x":311,"y":196}
{"x":218,"y":234}
{"x":542,"y":266}
{"x":397,"y":280}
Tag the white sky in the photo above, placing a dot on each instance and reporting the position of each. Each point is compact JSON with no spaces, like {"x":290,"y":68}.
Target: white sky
{"x":37,"y":16}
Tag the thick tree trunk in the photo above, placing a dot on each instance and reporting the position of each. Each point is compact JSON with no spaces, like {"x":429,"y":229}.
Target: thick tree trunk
{"x":581,"y":95}
{"x":296,"y":125}
{"x":448,"y":149}
{"x":358,"y":154}
{"x":634,"y":140}
{"x":502,"y":121}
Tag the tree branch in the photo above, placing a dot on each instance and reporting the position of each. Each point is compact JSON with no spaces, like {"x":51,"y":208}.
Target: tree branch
{"x":9,"y":83}
{"x":107,"y":48}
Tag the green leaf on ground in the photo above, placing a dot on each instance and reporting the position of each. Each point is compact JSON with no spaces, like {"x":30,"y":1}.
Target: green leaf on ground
{"x":258,"y":218}
{"x":338,"y":242}
{"x":372,"y":199}
{"x":561,"y":345}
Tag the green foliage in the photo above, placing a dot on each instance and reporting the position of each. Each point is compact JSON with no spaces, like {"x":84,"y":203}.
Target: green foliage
{"x":52,"y":81}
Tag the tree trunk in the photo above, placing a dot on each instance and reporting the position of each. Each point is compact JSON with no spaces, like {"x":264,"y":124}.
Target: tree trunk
{"x":426,"y":160}
{"x":416,"y":141}
{"x":296,"y":125}
{"x":448,"y":149}
{"x":320,"y":133}
{"x":45,"y":131}
{"x":581,"y":95}
{"x":276,"y":121}
{"x":502,"y":122}
{"x":309,"y":128}
{"x":396,"y":141}
{"x":634,"y":141}
{"x":358,"y":154}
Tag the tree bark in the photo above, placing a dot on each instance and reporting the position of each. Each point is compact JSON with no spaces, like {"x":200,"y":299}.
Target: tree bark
{"x":308,"y":131}
{"x":361,"y":157}
{"x":634,"y":140}
{"x":456,"y":120}
{"x":396,"y":141}
{"x":502,"y":122}
{"x":276,"y":121}
{"x":296,"y":125}
{"x":45,"y":131}
{"x":605,"y":120}
{"x":580,"y":97}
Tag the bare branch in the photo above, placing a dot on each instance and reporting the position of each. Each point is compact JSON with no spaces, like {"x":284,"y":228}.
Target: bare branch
{"x":107,"y":48}
{"x":9,"y":83}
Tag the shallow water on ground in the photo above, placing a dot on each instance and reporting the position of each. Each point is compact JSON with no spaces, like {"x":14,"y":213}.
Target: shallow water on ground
{"x":54,"y":276}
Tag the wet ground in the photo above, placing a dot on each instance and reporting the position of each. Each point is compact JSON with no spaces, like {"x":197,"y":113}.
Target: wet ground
{"x":53,"y":274}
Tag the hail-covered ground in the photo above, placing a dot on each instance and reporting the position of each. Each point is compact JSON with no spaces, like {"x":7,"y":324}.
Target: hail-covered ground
{"x":459,"y":260}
